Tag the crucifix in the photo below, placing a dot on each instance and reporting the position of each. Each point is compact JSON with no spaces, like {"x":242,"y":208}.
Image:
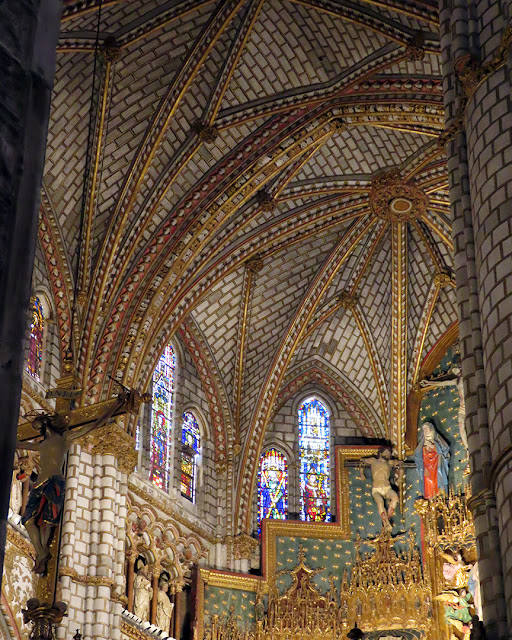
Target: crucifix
{"x":382,"y":466}
{"x":52,"y":435}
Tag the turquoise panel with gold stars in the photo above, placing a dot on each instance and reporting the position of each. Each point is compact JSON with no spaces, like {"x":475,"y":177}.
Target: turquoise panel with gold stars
{"x":440,"y":406}
{"x":220,"y":600}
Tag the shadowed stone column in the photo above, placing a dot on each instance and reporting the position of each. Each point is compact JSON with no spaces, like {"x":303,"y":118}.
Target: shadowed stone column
{"x":28,"y":36}
{"x":475,"y":46}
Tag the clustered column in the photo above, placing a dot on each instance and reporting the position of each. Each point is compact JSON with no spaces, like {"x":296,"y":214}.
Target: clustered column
{"x":475,"y":44}
{"x":93,"y":534}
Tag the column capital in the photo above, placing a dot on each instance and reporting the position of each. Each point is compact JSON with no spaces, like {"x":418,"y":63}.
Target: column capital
{"x":111,"y":439}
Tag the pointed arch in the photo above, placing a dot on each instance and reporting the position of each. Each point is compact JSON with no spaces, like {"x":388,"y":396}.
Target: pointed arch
{"x":190,"y":451}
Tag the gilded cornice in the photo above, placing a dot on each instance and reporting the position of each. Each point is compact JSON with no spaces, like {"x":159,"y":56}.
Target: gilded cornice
{"x":95,"y":581}
{"x":164,"y":506}
{"x":20,"y":542}
{"x":227,"y":580}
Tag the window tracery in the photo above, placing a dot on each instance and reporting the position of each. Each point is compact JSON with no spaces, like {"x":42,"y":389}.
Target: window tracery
{"x":272,"y":486}
{"x":314,"y":434}
{"x":35,"y":350}
{"x":161,"y":418}
{"x":190,"y":447}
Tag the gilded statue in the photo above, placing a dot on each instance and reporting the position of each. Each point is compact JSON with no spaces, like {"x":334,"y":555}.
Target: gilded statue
{"x":456,"y":610}
{"x":455,"y":570}
{"x":381,"y":468}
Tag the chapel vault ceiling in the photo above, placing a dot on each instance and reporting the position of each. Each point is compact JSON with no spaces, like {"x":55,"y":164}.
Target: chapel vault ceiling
{"x":297,"y":137}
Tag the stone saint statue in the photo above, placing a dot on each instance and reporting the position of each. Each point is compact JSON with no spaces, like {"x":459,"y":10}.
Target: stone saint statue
{"x":142,"y":591}
{"x":164,"y":607}
{"x":432,"y":457}
{"x":455,"y":380}
{"x":381,"y":467}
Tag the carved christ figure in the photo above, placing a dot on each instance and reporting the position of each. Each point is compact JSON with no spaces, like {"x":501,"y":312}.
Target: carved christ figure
{"x":46,"y":498}
{"x":381,"y":468}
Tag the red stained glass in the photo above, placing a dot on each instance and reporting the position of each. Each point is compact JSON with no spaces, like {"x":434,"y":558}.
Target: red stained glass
{"x":35,"y":351}
{"x":161,"y":418}
{"x":314,"y":461}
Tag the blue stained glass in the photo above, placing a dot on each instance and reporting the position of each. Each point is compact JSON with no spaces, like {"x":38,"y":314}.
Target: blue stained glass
{"x":272,"y":486}
{"x":191,"y":442}
{"x":161,"y":418}
{"x":314,"y":461}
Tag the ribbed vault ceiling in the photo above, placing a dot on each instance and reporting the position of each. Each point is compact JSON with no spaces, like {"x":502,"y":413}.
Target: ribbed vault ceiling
{"x":233,"y":130}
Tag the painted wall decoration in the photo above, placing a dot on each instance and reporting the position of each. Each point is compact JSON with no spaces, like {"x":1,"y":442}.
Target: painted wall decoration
{"x":190,"y":445}
{"x":272,"y":486}
{"x":161,"y":418}
{"x":314,"y":461}
{"x":35,"y":348}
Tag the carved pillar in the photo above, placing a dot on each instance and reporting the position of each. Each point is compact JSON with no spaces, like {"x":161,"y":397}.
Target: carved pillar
{"x":177,"y":611}
{"x":155,"y":573}
{"x":475,"y":43}
{"x":130,"y":577}
{"x":28,"y":38}
{"x":93,"y":533}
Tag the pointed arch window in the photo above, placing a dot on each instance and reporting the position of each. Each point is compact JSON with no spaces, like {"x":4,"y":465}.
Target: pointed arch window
{"x":35,"y":350}
{"x":272,"y":486}
{"x":190,"y":447}
{"x":161,"y":418}
{"x":314,"y":434}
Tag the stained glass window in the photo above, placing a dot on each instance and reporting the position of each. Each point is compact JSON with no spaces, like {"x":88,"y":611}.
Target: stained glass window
{"x":272,"y":486}
{"x":35,"y":349}
{"x":161,"y":418}
{"x":314,"y":461}
{"x":190,"y":445}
